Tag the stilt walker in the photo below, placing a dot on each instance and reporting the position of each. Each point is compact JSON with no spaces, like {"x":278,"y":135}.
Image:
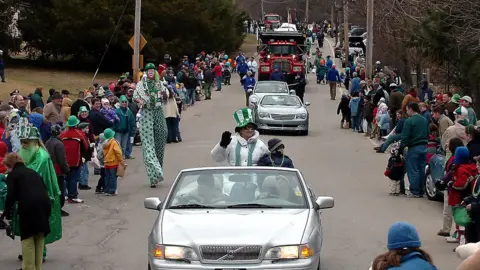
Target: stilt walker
{"x":151,"y":94}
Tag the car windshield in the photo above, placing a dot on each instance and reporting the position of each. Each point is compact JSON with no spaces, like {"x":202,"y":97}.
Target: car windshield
{"x":272,"y":18}
{"x":271,"y":88}
{"x":357,"y":31}
{"x":282,"y":49}
{"x":233,"y":188}
{"x":281,"y":101}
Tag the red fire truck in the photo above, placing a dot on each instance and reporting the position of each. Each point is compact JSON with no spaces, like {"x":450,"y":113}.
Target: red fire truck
{"x":282,"y":49}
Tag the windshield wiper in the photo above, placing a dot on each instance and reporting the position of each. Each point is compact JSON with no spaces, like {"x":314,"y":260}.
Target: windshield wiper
{"x":252,"y":205}
{"x":190,"y":205}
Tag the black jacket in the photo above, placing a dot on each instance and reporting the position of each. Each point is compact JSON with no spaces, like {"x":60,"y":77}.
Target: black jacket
{"x":26,"y":187}
{"x":275,"y":159}
{"x":98,"y":121}
{"x":56,"y":150}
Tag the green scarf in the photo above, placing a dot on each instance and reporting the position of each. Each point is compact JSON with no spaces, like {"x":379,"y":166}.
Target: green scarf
{"x":250,"y":152}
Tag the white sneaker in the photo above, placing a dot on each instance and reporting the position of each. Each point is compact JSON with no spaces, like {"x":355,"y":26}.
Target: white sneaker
{"x":451,"y":239}
{"x":76,"y":200}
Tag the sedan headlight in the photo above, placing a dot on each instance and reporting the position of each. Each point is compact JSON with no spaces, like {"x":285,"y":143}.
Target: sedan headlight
{"x":289,"y":252}
{"x":301,"y":116}
{"x":265,"y":69}
{"x":263,"y":115}
{"x":179,"y":253}
{"x":297,"y":69}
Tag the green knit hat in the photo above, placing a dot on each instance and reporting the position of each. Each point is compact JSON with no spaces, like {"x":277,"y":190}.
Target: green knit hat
{"x":72,"y":121}
{"x":455,"y":98}
{"x":26,"y":131}
{"x":243,"y":117}
{"x":108,"y":133}
{"x":82,"y":109}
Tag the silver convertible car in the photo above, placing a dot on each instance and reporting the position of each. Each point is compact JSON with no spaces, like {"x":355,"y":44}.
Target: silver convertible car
{"x":281,"y":112}
{"x":244,"y":218}
{"x":263,"y":88}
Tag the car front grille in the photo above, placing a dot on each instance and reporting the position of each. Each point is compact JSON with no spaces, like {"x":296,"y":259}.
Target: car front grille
{"x":283,"y":116}
{"x":284,"y":65}
{"x":230,"y":253}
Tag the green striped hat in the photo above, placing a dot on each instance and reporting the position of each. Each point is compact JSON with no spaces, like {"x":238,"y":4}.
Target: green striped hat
{"x":243,"y":117}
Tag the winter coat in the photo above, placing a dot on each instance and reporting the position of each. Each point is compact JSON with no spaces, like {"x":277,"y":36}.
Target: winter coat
{"x":443,"y":124}
{"x":99,"y":123}
{"x":36,"y":100}
{"x":276,"y":159}
{"x":66,"y":109}
{"x":110,"y":115}
{"x":354,"y":105}
{"x":384,"y":121}
{"x":413,"y":261}
{"x":463,"y":180}
{"x":427,"y":115}
{"x":171,"y":109}
{"x":127,"y":122}
{"x":249,"y":82}
{"x":276,"y":76}
{"x":455,"y":131}
{"x":57,"y":153}
{"x":409,"y":99}
{"x":26,"y":188}
{"x":395,"y":102}
{"x":220,"y":154}
{"x":112,"y":153}
{"x":333,"y":76}
{"x":355,"y":85}
{"x":91,"y":134}
{"x":344,"y":106}
{"x":52,"y":113}
{"x":368,"y":111}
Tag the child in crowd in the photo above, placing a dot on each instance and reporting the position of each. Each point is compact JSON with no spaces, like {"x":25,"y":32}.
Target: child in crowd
{"x":384,"y":123}
{"x":112,"y":158}
{"x":354,"y":111}
{"x":101,"y":182}
{"x":433,"y":142}
{"x":395,"y":169}
{"x":109,"y":112}
{"x":227,"y":74}
{"x":368,"y":114}
{"x":376,"y":130}
{"x":343,"y":107}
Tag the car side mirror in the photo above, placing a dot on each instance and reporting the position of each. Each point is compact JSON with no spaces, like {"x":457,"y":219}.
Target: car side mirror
{"x":307,"y":103}
{"x":325,"y":203}
{"x":152,"y":203}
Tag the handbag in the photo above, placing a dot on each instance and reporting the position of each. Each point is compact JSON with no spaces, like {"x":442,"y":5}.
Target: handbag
{"x":461,"y":216}
{"x":121,"y":170}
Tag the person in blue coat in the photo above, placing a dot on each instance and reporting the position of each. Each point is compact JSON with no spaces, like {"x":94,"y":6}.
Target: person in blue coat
{"x":404,"y":251}
{"x":333,"y":77}
{"x":276,"y":74}
{"x":329,"y":62}
{"x":242,"y":69}
{"x":248,"y":85}
{"x":276,"y":157}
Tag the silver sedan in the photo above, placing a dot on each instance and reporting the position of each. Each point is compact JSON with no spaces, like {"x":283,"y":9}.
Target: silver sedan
{"x":237,"y":218}
{"x":282,"y":112}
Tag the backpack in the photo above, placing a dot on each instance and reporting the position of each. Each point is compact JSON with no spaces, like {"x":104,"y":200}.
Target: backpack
{"x":73,"y":149}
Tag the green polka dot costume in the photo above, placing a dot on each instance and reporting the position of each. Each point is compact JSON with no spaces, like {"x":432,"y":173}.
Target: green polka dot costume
{"x":153,"y":127}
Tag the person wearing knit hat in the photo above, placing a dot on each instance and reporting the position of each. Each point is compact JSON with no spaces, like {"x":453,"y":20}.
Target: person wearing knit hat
{"x":244,"y":148}
{"x":276,"y":157}
{"x":404,"y":250}
{"x":126,"y":128}
{"x":113,"y":158}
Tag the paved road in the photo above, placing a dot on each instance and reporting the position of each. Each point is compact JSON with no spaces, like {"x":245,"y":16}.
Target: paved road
{"x":111,"y":232}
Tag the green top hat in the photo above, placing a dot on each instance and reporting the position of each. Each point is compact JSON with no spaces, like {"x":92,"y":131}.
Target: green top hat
{"x":72,"y":121}
{"x":243,"y":117}
{"x":26,"y":131}
{"x":150,"y":66}
{"x":108,"y":133}
{"x":82,"y":109}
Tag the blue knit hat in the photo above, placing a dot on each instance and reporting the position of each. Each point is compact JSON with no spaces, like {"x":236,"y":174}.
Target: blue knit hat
{"x":403,"y":235}
{"x":462,"y":155}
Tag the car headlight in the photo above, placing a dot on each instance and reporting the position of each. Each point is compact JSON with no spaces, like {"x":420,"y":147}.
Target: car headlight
{"x":297,"y":69}
{"x":163,"y":252}
{"x":263,"y":115}
{"x":301,"y":116}
{"x":265,"y":69}
{"x":289,"y":252}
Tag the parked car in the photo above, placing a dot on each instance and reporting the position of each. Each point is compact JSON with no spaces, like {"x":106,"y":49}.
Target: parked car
{"x":237,"y":218}
{"x":281,"y":113}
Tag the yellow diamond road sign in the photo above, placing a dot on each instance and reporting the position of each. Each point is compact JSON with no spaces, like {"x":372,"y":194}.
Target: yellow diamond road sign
{"x":143,"y":42}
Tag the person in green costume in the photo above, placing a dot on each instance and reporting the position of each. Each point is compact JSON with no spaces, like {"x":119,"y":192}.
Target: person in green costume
{"x":37,"y":158}
{"x":151,"y":94}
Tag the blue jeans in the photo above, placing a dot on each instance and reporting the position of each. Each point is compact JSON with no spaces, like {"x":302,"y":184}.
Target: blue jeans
{"x":73,"y":177}
{"x":179,"y":137}
{"x":416,"y":161}
{"x":172,"y":127}
{"x":123,"y":139}
{"x":391,"y":139}
{"x":110,"y":180}
{"x":190,"y":96}
{"x":84,"y":174}
{"x":128,"y":151}
{"x":219,"y":83}
{"x":355,"y":124}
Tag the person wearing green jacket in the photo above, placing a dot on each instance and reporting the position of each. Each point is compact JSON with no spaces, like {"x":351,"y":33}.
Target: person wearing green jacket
{"x":36,"y":99}
{"x":466,"y":102}
{"x":125,"y":129}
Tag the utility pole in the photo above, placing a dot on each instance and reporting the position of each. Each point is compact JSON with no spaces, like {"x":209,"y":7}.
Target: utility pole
{"x":261,"y":5}
{"x":306,"y":10}
{"x":369,"y":38}
{"x":345,"y":32}
{"x":136,"y":41}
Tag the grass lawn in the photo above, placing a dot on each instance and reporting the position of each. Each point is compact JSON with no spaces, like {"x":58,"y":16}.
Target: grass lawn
{"x":27,"y":79}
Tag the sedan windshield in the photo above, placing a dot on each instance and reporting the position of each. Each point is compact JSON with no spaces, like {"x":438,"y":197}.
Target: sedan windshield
{"x":281,"y":101}
{"x":271,"y":88}
{"x":233,"y":188}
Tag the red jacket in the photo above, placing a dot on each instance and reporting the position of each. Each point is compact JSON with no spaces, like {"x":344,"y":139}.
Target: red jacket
{"x":161,"y":68}
{"x":217,"y":70}
{"x":463,"y":180}
{"x":74,"y":158}
{"x":3,"y":152}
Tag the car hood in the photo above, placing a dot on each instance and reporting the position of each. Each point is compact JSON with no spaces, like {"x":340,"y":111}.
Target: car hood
{"x":282,"y":109}
{"x":233,"y":226}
